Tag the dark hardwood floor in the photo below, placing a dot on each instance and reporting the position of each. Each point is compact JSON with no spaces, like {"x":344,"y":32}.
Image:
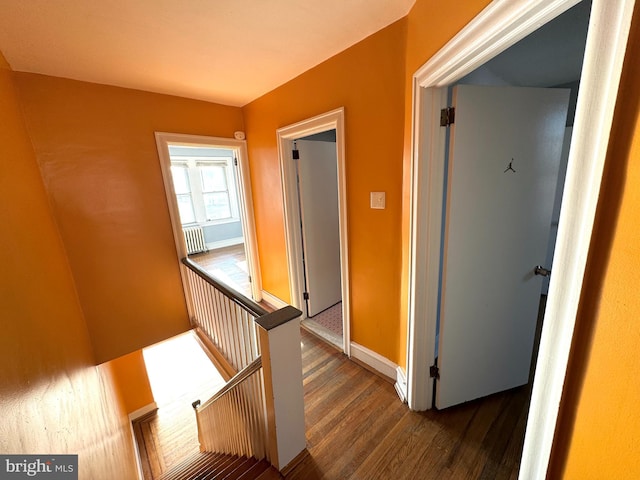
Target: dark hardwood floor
{"x":357,"y":428}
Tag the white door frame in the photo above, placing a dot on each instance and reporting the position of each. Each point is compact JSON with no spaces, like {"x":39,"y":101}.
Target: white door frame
{"x":321,"y":123}
{"x":496,"y":28}
{"x":239,"y":147}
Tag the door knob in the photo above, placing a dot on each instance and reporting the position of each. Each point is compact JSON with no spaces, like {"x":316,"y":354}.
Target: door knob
{"x":540,"y":270}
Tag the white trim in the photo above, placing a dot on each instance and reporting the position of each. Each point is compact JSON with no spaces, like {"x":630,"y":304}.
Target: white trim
{"x":142,"y":411}
{"x":321,"y":123}
{"x":401,"y":384}
{"x":273,"y":300}
{"x":322,"y":332}
{"x":374,"y":360}
{"x":247,"y":218}
{"x":496,"y":28}
{"x":225,"y":243}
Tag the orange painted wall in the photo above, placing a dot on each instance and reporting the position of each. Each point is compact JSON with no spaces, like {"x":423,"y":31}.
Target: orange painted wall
{"x":130,"y":375}
{"x":598,"y":434}
{"x":97,"y":153}
{"x":368,"y":81}
{"x":53,"y":400}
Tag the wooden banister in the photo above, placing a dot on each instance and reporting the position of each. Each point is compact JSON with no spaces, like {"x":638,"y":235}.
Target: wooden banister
{"x":245,"y":302}
{"x":237,"y":379}
{"x":260,"y":411}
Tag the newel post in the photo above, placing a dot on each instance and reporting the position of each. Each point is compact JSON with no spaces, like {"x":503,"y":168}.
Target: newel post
{"x":279,"y":334}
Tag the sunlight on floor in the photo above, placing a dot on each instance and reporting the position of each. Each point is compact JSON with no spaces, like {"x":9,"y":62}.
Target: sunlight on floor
{"x":178,"y":367}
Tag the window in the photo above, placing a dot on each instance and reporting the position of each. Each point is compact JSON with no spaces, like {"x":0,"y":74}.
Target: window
{"x":205,"y":189}
{"x":215,"y":192}
{"x":181,"y":185}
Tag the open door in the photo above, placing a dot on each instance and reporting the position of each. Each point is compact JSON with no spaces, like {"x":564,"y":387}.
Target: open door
{"x":505,"y":148}
{"x":318,"y":195}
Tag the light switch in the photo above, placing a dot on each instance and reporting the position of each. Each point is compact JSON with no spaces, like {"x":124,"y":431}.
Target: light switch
{"x":378,"y":200}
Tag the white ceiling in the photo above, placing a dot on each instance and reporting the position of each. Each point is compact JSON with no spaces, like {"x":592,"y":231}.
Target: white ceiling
{"x":224,"y":51}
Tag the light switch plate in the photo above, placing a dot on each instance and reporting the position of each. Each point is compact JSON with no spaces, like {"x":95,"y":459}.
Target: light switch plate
{"x":378,"y":200}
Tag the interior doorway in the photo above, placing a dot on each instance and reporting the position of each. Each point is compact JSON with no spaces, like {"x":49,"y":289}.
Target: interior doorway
{"x":316,"y":164}
{"x":313,"y":177}
{"x":206,"y":184}
{"x":208,"y":192}
{"x":497,"y":28}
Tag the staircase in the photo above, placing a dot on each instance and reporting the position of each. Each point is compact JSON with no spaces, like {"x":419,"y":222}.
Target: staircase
{"x":218,"y":466}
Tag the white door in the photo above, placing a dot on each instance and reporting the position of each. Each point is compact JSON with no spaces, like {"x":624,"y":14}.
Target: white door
{"x":503,"y":164}
{"x":318,"y":188}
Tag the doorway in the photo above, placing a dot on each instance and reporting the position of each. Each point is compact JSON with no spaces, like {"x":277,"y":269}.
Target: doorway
{"x":208,"y":192}
{"x":315,"y":224}
{"x":494,"y":30}
{"x":316,"y":164}
{"x":206,"y":183}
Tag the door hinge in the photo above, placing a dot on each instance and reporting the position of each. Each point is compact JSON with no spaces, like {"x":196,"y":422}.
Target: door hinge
{"x":250,"y":279}
{"x":235,"y":162}
{"x":295,"y":154}
{"x":434,"y":372}
{"x":447,"y":116}
{"x":305,"y":295}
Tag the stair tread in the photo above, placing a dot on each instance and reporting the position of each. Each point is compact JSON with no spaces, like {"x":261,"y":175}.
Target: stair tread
{"x":218,"y":466}
{"x":254,"y":471}
{"x":270,"y":474}
{"x":189,"y":465}
{"x":239,"y":469}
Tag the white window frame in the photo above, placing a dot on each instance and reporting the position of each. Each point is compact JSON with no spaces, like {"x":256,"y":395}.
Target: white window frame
{"x":185,"y":167}
{"x":239,"y":147}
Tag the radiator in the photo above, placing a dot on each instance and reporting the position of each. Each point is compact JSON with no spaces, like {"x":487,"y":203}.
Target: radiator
{"x":194,"y":240}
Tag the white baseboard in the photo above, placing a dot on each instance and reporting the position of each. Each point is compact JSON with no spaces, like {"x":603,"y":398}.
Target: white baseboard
{"x":273,"y":300}
{"x":376,"y":361}
{"x":141,"y":412}
{"x":225,"y":243}
{"x":401,"y":384}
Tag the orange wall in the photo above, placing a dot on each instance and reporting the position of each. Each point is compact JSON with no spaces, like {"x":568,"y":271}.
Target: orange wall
{"x":96,"y":149}
{"x":368,"y":80}
{"x":598,"y":434}
{"x":130,"y":375}
{"x":53,"y":399}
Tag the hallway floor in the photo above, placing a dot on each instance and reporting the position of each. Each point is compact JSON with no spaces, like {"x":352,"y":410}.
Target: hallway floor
{"x":357,"y":428}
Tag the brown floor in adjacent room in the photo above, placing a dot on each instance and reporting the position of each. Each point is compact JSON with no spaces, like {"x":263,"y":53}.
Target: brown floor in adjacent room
{"x":357,"y":428}
{"x":228,"y":265}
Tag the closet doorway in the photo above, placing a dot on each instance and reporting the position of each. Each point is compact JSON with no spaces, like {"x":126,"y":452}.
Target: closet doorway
{"x":312,"y":164}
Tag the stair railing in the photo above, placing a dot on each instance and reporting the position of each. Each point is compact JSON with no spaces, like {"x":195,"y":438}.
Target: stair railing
{"x":233,"y":421}
{"x":260,"y":411}
{"x":226,"y":317}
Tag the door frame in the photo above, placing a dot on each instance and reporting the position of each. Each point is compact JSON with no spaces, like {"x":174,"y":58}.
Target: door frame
{"x":285,"y":137}
{"x":496,"y":28}
{"x":239,"y":147}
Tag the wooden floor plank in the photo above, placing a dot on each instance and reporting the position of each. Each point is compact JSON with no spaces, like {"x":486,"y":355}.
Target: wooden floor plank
{"x":357,"y":428}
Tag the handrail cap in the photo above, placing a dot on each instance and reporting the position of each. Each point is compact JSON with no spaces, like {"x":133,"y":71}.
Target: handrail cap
{"x":279,"y":317}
